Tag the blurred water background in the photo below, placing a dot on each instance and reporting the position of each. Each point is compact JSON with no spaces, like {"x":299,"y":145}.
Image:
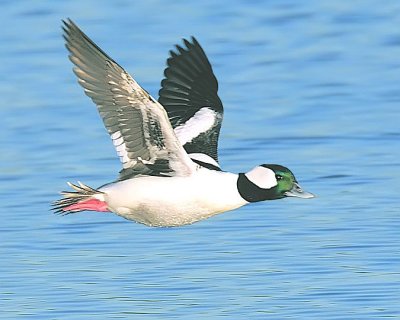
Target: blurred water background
{"x":313,"y":85}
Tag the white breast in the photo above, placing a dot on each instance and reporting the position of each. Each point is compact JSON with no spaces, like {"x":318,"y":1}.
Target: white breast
{"x":174,"y":201}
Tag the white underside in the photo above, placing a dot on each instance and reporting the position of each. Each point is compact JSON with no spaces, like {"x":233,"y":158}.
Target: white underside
{"x":174,"y":201}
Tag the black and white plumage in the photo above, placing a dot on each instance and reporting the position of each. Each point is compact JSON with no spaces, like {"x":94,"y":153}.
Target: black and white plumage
{"x":137,"y":123}
{"x":189,"y":93}
{"x":168,"y":148}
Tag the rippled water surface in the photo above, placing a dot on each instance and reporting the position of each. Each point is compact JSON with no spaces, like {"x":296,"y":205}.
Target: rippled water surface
{"x":313,"y":85}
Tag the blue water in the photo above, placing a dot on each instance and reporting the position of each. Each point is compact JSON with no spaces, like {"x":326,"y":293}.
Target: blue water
{"x":313,"y":85}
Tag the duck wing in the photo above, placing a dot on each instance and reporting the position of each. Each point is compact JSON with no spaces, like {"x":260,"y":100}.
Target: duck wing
{"x":138,"y":125}
{"x":189,"y":93}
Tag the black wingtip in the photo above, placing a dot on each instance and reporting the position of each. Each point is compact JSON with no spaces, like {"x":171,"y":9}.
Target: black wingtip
{"x":194,"y":41}
{"x":190,"y":43}
{"x":67,"y":26}
{"x":68,"y":22}
{"x":187,"y":43}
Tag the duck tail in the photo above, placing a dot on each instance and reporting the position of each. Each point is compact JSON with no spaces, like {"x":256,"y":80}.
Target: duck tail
{"x":83,"y":198}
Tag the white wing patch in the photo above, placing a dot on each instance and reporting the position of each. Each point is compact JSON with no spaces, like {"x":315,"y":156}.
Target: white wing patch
{"x":119,"y":144}
{"x":202,"y":121}
{"x":204,"y":158}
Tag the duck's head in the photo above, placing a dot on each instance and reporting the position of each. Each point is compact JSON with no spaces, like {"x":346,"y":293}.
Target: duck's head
{"x":269,"y":182}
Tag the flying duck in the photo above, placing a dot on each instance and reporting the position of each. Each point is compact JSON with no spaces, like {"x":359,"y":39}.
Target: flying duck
{"x":168,"y":148}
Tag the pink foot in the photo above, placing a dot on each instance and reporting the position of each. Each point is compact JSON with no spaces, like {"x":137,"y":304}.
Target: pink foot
{"x":91,"y":205}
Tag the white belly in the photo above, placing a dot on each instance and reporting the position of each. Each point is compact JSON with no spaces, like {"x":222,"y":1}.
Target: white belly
{"x":174,"y":201}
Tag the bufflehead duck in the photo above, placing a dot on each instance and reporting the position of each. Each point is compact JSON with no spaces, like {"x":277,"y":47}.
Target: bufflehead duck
{"x":168,"y":148}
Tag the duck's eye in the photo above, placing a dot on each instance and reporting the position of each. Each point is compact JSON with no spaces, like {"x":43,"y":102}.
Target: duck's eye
{"x":278,"y":177}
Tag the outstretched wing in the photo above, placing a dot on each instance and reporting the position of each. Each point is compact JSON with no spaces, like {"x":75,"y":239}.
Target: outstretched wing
{"x":138,"y":125}
{"x":189,"y":94}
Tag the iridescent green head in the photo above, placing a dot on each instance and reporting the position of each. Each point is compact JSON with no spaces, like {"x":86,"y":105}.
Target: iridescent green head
{"x":269,"y":182}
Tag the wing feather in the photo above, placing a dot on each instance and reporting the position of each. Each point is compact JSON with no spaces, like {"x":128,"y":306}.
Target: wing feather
{"x":189,"y":92}
{"x":138,"y":125}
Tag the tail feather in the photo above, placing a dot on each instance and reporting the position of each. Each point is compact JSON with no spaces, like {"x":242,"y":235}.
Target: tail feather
{"x":83,"y":198}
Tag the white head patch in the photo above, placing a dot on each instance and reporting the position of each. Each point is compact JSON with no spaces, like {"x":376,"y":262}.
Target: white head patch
{"x":262,"y":177}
